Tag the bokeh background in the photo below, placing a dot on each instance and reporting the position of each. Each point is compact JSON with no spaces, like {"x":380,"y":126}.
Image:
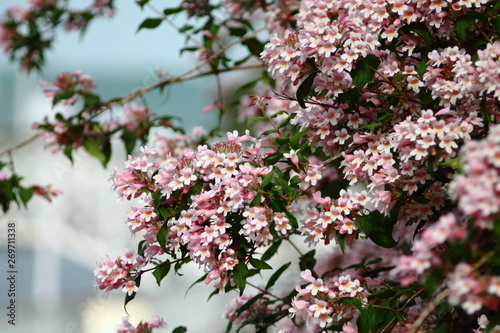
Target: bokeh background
{"x":59,"y":243}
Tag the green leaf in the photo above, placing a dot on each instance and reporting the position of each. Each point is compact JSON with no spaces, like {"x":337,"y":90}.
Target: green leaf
{"x":195,"y":283}
{"x":259,"y":264}
{"x":240,"y":273}
{"x":267,"y":179}
{"x":64,"y":95}
{"x":25,"y":194}
{"x":68,"y":152}
{"x":103,"y":153}
{"x":378,"y":228}
{"x":255,"y":119}
{"x":421,"y":29}
{"x":307,"y":261}
{"x":91,"y":100}
{"x":341,"y":241}
{"x":304,"y":89}
{"x":141,"y":248}
{"x":462,"y":25}
{"x":161,"y":271}
{"x":271,"y":250}
{"x":364,"y":71}
{"x":495,"y":23}
{"x":129,"y":140}
{"x":150,"y":23}
{"x":161,"y":236}
{"x":184,"y":28}
{"x":352,"y":301}
{"x":422,"y":67}
{"x":170,"y":11}
{"x":366,"y":319}
{"x":141,"y":3}
{"x":130,"y":297}
{"x":276,"y":275}
{"x":254,"y":45}
{"x":180,"y":329}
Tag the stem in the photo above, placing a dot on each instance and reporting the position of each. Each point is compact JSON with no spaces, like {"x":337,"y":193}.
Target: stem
{"x":264,"y":291}
{"x":294,"y":246}
{"x":384,"y":307}
{"x":21,"y":144}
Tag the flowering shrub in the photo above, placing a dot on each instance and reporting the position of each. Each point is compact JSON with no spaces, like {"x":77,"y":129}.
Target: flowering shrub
{"x":372,"y":132}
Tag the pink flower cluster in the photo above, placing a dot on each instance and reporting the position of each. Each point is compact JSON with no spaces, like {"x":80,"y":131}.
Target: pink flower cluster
{"x":478,"y":189}
{"x":142,"y":327}
{"x":477,"y":192}
{"x":75,"y":82}
{"x":215,"y":190}
{"x":426,"y":250}
{"x":321,"y":300}
{"x":119,"y":273}
{"x":332,"y":217}
{"x":472,"y":290}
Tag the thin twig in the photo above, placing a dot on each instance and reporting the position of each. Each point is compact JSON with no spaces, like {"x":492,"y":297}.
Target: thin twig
{"x":21,"y":144}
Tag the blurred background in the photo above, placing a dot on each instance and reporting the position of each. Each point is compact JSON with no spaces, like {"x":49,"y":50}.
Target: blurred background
{"x":58,"y":244}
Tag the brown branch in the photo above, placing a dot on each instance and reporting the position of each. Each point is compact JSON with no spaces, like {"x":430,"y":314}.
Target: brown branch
{"x":21,"y":144}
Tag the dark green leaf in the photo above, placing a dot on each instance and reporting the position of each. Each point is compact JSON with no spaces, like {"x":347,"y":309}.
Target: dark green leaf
{"x":421,"y":29}
{"x":255,"y":119}
{"x":170,"y":11}
{"x":141,"y":248}
{"x":254,"y":45}
{"x":292,"y":219}
{"x":240,"y":273}
{"x":180,"y":329}
{"x":161,"y":236}
{"x":92,"y":147}
{"x":238,"y":32}
{"x":91,"y":100}
{"x":68,"y":152}
{"x":129,"y":140}
{"x":25,"y":194}
{"x":259,"y":264}
{"x":364,"y":71}
{"x":150,"y":23}
{"x":495,"y":23}
{"x":195,"y":283}
{"x":130,"y":297}
{"x":304,"y":89}
{"x":64,"y":95}
{"x":141,"y":2}
{"x":422,"y":67}
{"x":352,"y":301}
{"x":184,"y":28}
{"x":307,"y":261}
{"x":366,"y":319}
{"x":267,"y":179}
{"x":462,"y":26}
{"x":161,"y":271}
{"x":378,"y":228}
{"x":341,"y":241}
{"x":271,"y":250}
{"x":276,"y":275}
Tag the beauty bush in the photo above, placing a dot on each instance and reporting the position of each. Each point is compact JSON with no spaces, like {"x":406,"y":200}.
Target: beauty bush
{"x":369,"y":129}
